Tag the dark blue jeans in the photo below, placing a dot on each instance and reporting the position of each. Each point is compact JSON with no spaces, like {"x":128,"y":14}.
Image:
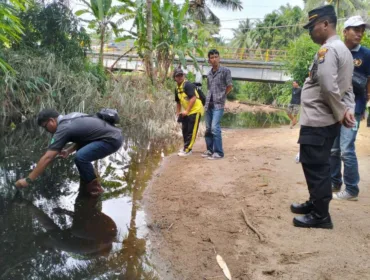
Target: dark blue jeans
{"x":213,"y":131}
{"x":344,"y":149}
{"x":91,"y":152}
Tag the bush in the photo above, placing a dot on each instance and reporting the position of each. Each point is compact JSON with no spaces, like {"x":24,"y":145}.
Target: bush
{"x":265,"y":93}
{"x":301,"y":53}
{"x":42,"y":82}
{"x":145,"y":111}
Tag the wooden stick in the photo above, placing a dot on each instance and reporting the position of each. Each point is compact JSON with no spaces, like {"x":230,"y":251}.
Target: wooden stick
{"x":222,"y":190}
{"x":118,"y":59}
{"x":252,"y":227}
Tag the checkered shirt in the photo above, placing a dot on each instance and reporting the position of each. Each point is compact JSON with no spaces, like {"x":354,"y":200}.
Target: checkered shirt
{"x":217,"y":84}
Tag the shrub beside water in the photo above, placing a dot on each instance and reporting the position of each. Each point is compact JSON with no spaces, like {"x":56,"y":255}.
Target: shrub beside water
{"x":144,"y":109}
{"x":46,"y":82}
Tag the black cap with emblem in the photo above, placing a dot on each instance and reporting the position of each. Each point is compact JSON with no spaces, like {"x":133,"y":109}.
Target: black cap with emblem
{"x":318,"y":13}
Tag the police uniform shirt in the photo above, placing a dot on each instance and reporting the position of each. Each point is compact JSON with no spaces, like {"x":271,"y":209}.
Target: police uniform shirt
{"x":327,"y":92}
{"x":361,"y":60}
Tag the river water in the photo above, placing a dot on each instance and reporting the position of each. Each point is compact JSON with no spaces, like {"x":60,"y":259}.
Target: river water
{"x":48,"y":231}
{"x":254,"y":120}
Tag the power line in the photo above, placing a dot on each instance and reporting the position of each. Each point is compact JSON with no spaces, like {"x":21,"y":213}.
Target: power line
{"x":271,"y":27}
{"x":235,"y":19}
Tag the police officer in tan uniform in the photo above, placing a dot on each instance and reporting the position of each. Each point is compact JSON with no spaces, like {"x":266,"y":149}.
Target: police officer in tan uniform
{"x":327,"y":101}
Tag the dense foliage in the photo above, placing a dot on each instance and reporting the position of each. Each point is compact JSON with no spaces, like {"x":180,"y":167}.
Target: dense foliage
{"x":52,"y":28}
{"x":10,"y":26}
{"x":44,"y":43}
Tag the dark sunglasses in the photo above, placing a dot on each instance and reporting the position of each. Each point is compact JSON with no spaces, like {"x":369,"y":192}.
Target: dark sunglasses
{"x":311,"y":28}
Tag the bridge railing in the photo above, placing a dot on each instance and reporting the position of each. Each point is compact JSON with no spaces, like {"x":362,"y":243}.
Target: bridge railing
{"x":252,"y":54}
{"x":267,"y":55}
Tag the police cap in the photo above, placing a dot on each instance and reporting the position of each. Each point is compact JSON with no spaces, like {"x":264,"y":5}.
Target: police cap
{"x":318,"y":13}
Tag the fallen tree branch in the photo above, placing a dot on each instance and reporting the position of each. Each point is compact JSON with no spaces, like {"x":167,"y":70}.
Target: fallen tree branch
{"x":119,"y":58}
{"x":252,"y":227}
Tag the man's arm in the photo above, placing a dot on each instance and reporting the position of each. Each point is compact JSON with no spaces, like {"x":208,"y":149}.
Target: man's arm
{"x":368,"y":88}
{"x":44,"y":161}
{"x":328,"y":80}
{"x":190,"y":105}
{"x":228,"y":89}
{"x":349,"y":100}
{"x":189,"y":90}
{"x":72,"y":148}
{"x":229,"y":82}
{"x":66,"y":152}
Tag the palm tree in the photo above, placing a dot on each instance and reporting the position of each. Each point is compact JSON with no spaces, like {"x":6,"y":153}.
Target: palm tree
{"x":103,"y":13}
{"x":202,"y":12}
{"x":343,"y":7}
{"x":244,"y":37}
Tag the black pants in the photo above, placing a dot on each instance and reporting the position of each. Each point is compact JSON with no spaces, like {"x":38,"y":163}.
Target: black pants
{"x":190,"y":125}
{"x":315,"y":145}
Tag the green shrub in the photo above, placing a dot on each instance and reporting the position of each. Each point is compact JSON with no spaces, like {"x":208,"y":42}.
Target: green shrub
{"x":42,"y":82}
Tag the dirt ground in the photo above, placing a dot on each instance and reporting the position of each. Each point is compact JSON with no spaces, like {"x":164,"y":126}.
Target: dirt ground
{"x":195,"y":205}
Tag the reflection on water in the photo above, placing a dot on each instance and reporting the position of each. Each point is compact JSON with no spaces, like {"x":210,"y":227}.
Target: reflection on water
{"x":254,"y":120}
{"x":48,"y":231}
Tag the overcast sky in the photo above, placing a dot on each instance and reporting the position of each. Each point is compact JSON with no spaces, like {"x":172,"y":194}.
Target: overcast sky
{"x":229,"y":19}
{"x":251,"y":9}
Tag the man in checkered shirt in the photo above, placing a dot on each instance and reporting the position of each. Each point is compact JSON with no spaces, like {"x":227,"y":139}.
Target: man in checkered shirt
{"x":219,"y":86}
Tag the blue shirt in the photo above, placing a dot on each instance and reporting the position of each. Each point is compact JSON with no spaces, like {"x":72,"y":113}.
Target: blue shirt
{"x":361,"y":60}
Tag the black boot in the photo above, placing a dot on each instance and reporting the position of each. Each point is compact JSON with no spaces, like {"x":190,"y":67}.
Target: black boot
{"x":313,"y":220}
{"x":303,"y":208}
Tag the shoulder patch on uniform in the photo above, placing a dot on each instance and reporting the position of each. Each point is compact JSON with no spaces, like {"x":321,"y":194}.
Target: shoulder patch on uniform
{"x":52,"y":141}
{"x":357,"y":62}
{"x":321,"y":54}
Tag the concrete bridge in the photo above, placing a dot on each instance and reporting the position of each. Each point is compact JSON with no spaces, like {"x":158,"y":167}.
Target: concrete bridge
{"x":241,"y":69}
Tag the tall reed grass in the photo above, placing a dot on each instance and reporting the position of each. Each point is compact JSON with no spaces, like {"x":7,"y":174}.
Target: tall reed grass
{"x":144,"y":109}
{"x":45,"y":82}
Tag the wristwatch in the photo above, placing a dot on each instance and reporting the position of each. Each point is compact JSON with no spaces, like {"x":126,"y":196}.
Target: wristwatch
{"x":28,"y":180}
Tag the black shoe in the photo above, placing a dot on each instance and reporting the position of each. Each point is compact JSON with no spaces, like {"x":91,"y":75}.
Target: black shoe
{"x":313,"y":220}
{"x":303,"y":208}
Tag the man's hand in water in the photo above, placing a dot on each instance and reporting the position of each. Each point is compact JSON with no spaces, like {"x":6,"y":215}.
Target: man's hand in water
{"x":21,"y":183}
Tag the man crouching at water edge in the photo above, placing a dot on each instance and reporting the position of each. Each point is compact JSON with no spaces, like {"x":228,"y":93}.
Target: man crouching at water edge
{"x":93,"y":138}
{"x":187,"y":97}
